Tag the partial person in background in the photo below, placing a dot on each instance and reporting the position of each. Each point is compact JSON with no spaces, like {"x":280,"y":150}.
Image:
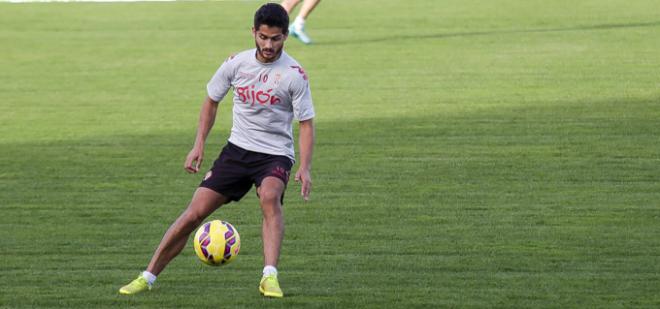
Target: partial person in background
{"x":297,"y":28}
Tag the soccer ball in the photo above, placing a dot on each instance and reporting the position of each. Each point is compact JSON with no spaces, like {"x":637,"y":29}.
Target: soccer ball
{"x":217,"y":242}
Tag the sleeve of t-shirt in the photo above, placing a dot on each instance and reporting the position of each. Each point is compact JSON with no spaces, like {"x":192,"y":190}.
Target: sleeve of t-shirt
{"x":303,"y":108}
{"x":220,"y":83}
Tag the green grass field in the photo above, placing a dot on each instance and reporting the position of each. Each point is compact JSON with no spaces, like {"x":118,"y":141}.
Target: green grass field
{"x":469,"y":154}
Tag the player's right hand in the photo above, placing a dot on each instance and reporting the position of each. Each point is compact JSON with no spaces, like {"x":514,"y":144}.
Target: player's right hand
{"x":194,"y":160}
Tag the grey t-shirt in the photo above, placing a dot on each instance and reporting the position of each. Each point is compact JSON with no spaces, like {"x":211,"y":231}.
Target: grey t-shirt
{"x":267,"y":96}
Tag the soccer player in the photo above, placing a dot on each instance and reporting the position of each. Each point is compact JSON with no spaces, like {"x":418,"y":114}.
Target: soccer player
{"x":270,"y":89}
{"x":297,"y":28}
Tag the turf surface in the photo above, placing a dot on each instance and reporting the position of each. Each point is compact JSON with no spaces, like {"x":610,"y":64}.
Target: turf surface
{"x":469,"y":154}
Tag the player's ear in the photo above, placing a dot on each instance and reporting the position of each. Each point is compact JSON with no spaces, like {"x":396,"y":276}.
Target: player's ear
{"x":254,"y":31}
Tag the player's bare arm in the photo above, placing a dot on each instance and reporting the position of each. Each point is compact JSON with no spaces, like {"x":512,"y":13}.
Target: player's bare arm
{"x":206,"y":120}
{"x":306,"y":143}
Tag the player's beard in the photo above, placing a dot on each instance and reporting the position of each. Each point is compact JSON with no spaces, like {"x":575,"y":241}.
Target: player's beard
{"x":274,"y":52}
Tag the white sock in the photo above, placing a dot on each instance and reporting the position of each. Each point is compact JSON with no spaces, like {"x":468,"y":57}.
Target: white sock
{"x":299,"y":23}
{"x":151,"y":278}
{"x":270,"y":270}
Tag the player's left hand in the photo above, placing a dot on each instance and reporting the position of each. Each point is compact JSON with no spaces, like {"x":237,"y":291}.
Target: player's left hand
{"x":304,"y":176}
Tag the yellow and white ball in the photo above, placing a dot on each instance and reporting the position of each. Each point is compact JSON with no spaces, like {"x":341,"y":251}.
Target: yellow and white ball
{"x":217,"y":243}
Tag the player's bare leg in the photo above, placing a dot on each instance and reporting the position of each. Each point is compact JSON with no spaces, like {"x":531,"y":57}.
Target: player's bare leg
{"x":204,"y":202}
{"x":297,"y":26}
{"x":288,"y":5}
{"x":307,"y":8}
{"x":272,"y":229}
{"x":272,"y":232}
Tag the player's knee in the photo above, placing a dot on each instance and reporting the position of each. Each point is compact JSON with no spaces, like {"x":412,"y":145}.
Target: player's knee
{"x":270,"y":197}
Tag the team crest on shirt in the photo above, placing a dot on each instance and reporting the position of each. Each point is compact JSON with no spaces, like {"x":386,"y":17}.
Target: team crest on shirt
{"x":276,"y":81}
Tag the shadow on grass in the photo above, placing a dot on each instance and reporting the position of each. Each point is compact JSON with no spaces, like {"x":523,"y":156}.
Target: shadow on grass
{"x":409,"y":152}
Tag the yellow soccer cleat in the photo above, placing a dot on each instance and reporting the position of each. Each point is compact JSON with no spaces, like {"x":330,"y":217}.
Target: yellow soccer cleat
{"x":270,"y":287}
{"x":136,"y":286}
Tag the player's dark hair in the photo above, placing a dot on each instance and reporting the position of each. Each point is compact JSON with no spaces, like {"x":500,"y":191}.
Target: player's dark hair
{"x":272,"y":15}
